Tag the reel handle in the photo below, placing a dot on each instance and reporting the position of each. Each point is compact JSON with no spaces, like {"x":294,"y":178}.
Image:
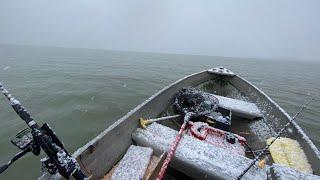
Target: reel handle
{"x":16,"y":157}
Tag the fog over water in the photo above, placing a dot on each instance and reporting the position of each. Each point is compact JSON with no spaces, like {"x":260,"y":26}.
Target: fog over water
{"x":272,"y":29}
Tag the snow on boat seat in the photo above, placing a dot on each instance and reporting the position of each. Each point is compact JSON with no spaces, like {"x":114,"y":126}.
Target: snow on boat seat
{"x":279,"y":172}
{"x":288,"y":152}
{"x":134,"y":163}
{"x":240,"y":108}
{"x":195,"y":158}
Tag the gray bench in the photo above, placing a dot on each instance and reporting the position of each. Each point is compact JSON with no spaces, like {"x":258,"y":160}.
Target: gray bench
{"x":134,"y":164}
{"x":196,"y":158}
{"x":240,"y":108}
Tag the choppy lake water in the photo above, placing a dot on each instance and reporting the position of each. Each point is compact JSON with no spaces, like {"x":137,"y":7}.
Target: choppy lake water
{"x":80,"y":92}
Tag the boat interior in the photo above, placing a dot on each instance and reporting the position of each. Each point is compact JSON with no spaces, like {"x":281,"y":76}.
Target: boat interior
{"x":252,"y":117}
{"x":239,"y":125}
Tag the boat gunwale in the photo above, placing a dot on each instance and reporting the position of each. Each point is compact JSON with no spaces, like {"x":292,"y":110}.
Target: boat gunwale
{"x":295,"y":124}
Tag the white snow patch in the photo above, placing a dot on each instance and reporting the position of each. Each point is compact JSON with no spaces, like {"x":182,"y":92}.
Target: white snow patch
{"x":134,"y":163}
{"x":239,"y":107}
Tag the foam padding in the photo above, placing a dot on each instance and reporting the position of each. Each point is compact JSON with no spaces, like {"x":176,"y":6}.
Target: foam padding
{"x":288,"y":152}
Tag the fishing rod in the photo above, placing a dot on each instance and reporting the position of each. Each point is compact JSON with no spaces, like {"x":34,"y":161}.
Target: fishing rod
{"x":35,"y":138}
{"x":274,"y":139}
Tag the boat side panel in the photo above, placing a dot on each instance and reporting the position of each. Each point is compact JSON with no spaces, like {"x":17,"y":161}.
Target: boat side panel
{"x":100,"y":154}
{"x":277,"y":117}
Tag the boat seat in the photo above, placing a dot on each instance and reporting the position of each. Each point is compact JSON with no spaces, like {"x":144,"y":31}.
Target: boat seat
{"x":279,"y":172}
{"x":195,"y":158}
{"x":240,"y":108}
{"x":133,"y":165}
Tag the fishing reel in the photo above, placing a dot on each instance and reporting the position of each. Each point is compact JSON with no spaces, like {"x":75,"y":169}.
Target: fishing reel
{"x":57,"y":159}
{"x":25,"y":141}
{"x":47,"y":163}
{"x":36,"y":138}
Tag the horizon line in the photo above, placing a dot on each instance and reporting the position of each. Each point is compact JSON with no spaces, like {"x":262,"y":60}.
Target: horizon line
{"x":291,"y":59}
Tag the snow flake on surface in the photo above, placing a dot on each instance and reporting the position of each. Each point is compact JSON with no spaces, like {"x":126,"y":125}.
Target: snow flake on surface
{"x":6,"y":68}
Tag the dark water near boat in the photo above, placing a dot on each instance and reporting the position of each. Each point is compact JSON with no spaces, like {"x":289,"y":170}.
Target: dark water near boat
{"x":80,"y":92}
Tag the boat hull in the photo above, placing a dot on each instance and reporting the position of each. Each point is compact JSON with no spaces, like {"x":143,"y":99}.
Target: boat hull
{"x":101,"y":153}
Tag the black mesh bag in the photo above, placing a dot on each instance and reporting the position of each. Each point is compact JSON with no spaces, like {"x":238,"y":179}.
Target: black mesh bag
{"x":193,"y":100}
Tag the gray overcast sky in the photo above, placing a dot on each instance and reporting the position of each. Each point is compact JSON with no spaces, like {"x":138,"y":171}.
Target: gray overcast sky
{"x":238,"y":28}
